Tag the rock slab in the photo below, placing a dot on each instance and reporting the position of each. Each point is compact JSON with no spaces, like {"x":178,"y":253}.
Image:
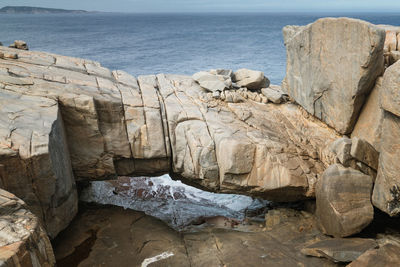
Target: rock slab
{"x":332,"y":64}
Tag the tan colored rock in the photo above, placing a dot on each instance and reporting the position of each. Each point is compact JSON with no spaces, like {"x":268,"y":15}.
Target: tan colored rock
{"x":398,"y":41}
{"x":387,"y":255}
{"x":35,"y":159}
{"x":363,"y":151}
{"x":18,"y":44}
{"x":386,"y":194}
{"x":331,"y":81}
{"x":343,"y":198}
{"x":389,"y":93}
{"x":394,"y":56}
{"x":252,"y":80}
{"x":390,"y":41}
{"x":369,"y":123}
{"x":340,"y":249}
{"x":341,"y":148}
{"x":23,"y":241}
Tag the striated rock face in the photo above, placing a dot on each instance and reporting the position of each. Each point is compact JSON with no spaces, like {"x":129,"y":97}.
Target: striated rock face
{"x":34,"y":159}
{"x":332,"y":64}
{"x":343,"y":199}
{"x":67,"y":119}
{"x":369,"y":123}
{"x":386,"y":194}
{"x":23,"y":241}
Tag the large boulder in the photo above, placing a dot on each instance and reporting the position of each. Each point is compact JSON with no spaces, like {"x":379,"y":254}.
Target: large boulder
{"x":389,"y":93}
{"x":386,"y":194}
{"x":332,"y":64}
{"x":343,"y":197}
{"x":34,"y":159}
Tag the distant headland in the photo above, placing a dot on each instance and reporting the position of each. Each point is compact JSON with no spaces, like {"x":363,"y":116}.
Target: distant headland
{"x":37,"y":10}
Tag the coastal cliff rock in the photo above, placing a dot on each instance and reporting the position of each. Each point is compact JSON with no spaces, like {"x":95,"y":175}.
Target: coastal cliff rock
{"x":23,"y":241}
{"x":332,"y":64}
{"x":34,"y":159}
{"x":386,"y":194}
{"x":110,"y":123}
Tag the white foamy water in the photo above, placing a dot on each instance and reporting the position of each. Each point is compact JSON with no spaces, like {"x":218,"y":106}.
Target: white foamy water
{"x":177,"y":204}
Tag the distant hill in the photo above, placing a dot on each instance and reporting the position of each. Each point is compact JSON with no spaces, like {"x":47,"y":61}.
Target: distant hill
{"x":36,"y":10}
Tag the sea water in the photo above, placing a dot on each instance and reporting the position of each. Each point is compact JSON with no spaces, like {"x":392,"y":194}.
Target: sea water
{"x":168,"y":43}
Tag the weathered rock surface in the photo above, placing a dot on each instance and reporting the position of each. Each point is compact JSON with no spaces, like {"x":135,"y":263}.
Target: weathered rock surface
{"x":363,"y":151}
{"x":343,"y":198}
{"x":213,"y":82}
{"x":342,"y":148}
{"x":111,"y":236}
{"x":332,"y":64}
{"x":369,"y":123}
{"x":389,"y":93}
{"x":387,"y":255}
{"x":110,"y":123}
{"x":23,"y":241}
{"x":274,"y":94}
{"x":251,"y":79}
{"x":340,"y":249}
{"x":386,"y":194}
{"x":34,"y":159}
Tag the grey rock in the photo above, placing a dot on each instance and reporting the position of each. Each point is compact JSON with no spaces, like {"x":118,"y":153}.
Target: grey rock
{"x":342,"y":148}
{"x":212,"y":82}
{"x":251,"y":79}
{"x":364,"y":152}
{"x":343,"y":198}
{"x":369,"y":123}
{"x":274,"y":94}
{"x":330,"y":80}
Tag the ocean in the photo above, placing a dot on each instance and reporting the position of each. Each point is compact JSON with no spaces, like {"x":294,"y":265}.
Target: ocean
{"x":168,"y":43}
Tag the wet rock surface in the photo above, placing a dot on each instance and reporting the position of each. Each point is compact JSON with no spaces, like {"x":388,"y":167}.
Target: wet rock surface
{"x":128,"y":238}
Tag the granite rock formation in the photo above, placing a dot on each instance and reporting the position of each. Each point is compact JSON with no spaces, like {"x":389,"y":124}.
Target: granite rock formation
{"x":344,"y":203}
{"x":66,"y":119}
{"x":333,"y":63}
{"x":23,"y":241}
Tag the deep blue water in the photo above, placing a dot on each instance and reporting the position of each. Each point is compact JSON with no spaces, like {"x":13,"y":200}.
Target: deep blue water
{"x":167,"y":43}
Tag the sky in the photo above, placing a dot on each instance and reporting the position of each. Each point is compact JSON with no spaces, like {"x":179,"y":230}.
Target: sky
{"x":214,"y":5}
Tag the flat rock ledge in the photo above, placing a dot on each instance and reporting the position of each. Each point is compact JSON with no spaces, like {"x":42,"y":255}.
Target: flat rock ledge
{"x":23,"y":241}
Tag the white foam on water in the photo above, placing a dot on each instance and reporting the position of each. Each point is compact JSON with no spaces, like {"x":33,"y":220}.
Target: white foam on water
{"x":162,"y":256}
